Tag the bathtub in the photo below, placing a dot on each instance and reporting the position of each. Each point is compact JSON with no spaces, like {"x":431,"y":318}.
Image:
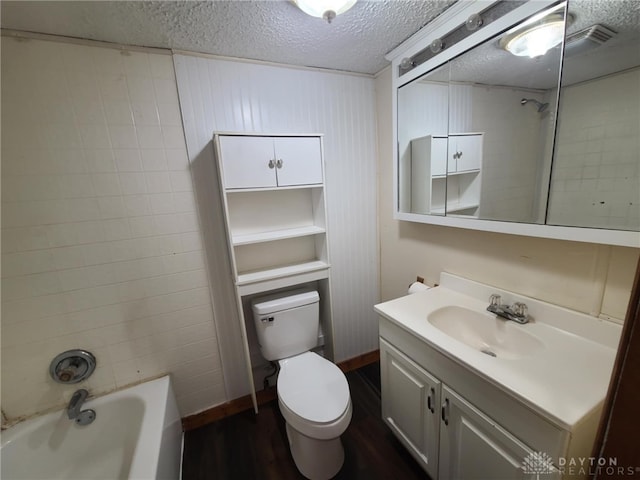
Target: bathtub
{"x":137,"y":434}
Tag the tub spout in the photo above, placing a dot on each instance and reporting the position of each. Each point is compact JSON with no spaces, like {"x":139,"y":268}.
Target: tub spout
{"x":75,"y":404}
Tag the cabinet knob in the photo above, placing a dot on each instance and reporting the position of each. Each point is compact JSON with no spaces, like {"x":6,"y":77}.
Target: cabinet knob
{"x":279,"y":163}
{"x":271,"y":164}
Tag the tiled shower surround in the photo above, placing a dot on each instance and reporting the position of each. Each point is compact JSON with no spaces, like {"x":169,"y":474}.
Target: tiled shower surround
{"x":101,"y":247}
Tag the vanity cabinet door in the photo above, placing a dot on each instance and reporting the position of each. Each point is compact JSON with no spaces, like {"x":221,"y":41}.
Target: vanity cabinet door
{"x":410,"y":400}
{"x":472,"y":446}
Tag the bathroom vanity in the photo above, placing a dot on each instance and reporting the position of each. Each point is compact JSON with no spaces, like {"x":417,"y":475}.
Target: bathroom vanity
{"x":472,"y":395}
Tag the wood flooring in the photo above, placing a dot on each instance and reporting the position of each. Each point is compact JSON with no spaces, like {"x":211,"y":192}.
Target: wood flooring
{"x":248,"y":446}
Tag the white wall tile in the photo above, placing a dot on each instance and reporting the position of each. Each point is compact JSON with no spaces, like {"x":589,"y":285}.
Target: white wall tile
{"x":98,"y":252}
{"x":153,"y":159}
{"x":149,"y":136}
{"x":157,"y":182}
{"x":123,"y":136}
{"x":595,"y":140}
{"x":99,"y":160}
{"x":118,"y":112}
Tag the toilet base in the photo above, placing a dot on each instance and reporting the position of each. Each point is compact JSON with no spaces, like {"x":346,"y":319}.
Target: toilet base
{"x":315,"y":459}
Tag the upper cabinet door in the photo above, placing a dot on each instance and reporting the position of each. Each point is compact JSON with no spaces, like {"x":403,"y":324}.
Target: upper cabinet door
{"x":298,"y":160}
{"x":248,"y":162}
{"x":469,"y":152}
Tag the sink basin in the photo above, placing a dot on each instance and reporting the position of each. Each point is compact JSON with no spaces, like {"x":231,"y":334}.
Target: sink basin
{"x":485,"y":332}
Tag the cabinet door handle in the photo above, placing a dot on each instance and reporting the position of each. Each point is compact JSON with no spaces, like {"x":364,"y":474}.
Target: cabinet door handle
{"x":445,"y":411}
{"x":279,"y":163}
{"x":430,"y":404}
{"x":272,"y":164}
{"x":459,"y":154}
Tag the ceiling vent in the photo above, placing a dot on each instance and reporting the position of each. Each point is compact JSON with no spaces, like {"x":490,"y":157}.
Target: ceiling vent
{"x":587,"y":39}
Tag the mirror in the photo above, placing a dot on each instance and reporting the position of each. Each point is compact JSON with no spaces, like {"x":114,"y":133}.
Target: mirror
{"x":596,"y":165}
{"x":478,"y":136}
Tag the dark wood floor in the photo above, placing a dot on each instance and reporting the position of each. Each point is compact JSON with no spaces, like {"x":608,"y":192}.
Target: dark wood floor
{"x":247,"y":446}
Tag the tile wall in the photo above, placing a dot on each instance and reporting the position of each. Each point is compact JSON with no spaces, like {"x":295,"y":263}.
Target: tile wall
{"x":596,"y":175}
{"x":101,"y":246}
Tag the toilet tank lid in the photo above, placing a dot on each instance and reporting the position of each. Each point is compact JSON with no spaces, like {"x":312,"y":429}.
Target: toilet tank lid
{"x":284,"y":301}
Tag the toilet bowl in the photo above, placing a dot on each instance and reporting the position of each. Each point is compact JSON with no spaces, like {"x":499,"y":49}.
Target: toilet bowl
{"x":313,"y":393}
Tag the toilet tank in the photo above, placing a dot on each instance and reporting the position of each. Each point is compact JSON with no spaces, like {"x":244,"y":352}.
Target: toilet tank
{"x":286,"y":323}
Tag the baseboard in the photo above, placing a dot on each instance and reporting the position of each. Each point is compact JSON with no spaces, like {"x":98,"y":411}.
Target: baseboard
{"x":360,"y":361}
{"x":241,"y":404}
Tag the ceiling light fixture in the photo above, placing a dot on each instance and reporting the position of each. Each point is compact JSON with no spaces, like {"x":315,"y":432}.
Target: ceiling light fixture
{"x":326,"y":9}
{"x":537,"y":35}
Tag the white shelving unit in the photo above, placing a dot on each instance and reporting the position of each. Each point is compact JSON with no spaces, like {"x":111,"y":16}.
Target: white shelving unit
{"x":275,"y":212}
{"x":446,"y":172}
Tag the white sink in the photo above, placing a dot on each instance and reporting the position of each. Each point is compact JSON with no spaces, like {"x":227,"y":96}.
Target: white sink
{"x":559,"y":363}
{"x":485,"y":332}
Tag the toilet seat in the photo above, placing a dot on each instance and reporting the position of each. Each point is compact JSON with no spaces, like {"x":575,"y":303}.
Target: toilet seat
{"x":313,"y":394}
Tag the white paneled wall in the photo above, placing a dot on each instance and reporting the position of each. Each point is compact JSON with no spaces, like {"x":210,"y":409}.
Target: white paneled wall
{"x":101,"y":246}
{"x":596,"y":172}
{"x":221,"y":95}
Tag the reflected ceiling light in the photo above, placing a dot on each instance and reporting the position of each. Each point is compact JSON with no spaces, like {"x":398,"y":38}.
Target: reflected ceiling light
{"x":326,"y":9}
{"x":538,"y":35}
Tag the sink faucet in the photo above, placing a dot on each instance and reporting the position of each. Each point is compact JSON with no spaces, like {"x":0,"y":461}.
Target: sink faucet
{"x":516,"y":312}
{"x":74,"y":409}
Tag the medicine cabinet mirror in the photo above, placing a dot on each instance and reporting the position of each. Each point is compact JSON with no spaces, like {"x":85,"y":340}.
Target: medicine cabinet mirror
{"x":537,"y":145}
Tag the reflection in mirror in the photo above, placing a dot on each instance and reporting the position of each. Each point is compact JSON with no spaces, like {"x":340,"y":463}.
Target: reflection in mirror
{"x":501,"y":121}
{"x":596,"y":167}
{"x":422,"y":143}
{"x":475,"y":135}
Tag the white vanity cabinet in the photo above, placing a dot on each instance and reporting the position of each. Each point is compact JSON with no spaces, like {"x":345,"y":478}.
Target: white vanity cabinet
{"x":454,"y":435}
{"x":274,"y":204}
{"x":474,"y":446}
{"x":264,"y":161}
{"x":411,"y":405}
{"x":450,"y":437}
{"x":473,"y":396}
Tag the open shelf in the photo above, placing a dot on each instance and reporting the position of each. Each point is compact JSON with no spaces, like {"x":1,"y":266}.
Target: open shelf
{"x":279,"y":272}
{"x":463,"y":172}
{"x":248,"y":239}
{"x":459,"y":207}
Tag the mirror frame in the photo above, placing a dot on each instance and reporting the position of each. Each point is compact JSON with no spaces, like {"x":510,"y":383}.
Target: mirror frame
{"x":448,"y":21}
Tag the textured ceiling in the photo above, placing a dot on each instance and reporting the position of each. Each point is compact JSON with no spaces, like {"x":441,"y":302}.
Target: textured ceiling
{"x":275,"y":30}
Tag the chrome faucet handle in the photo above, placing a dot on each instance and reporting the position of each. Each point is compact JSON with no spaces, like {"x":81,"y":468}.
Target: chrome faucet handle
{"x":495,"y":299}
{"x":520,"y":309}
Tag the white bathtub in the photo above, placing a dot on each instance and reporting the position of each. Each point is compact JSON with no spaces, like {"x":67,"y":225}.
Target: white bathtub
{"x":137,"y":434}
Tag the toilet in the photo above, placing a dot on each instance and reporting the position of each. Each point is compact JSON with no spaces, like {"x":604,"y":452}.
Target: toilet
{"x":313,"y":393}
